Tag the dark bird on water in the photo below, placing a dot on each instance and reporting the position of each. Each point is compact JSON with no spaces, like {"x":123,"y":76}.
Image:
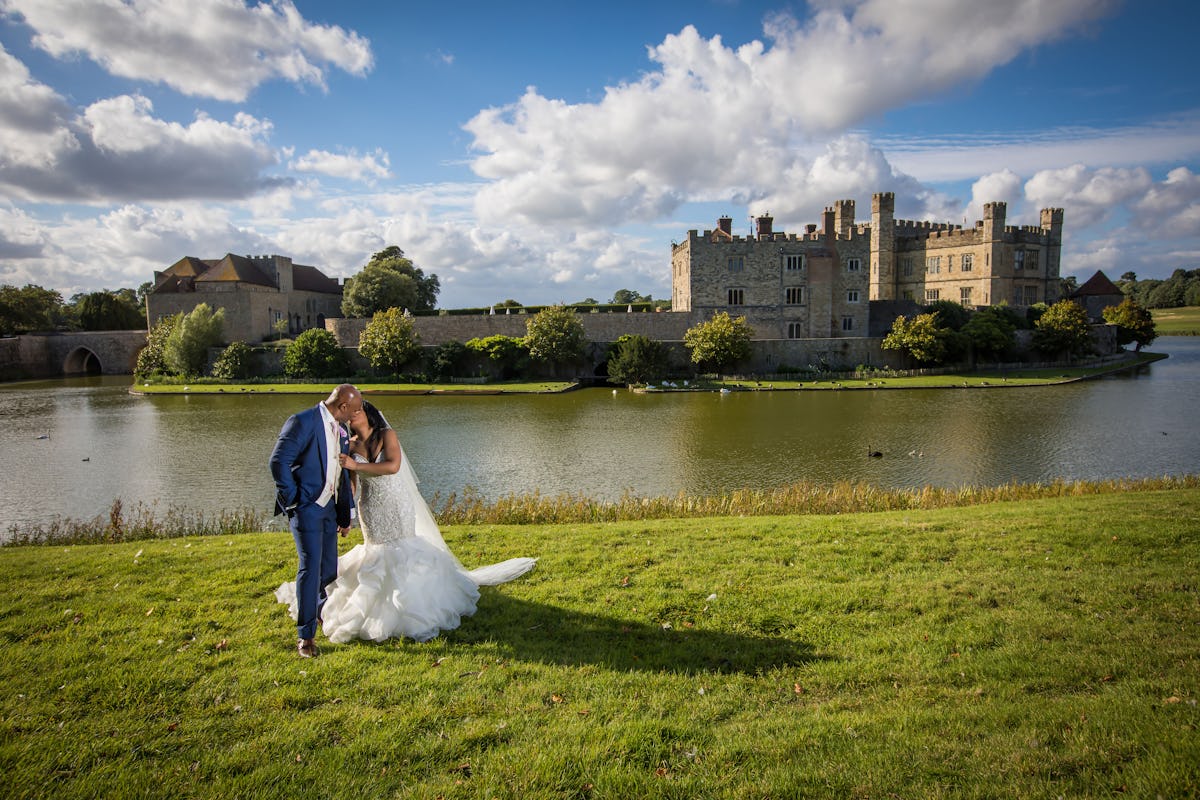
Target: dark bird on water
{"x":874,"y":454}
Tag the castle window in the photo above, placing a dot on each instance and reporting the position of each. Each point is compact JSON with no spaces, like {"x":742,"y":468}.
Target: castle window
{"x":852,"y":296}
{"x":795,"y":330}
{"x":1018,"y":259}
{"x":737,"y":263}
{"x":933,"y":265}
{"x":793,"y":295}
{"x":931,"y":295}
{"x":1031,"y":295}
{"x":853,"y":265}
{"x":907,"y":294}
{"x":847,"y":323}
{"x":968,"y":261}
{"x":1031,"y":259}
{"x":906,"y":266}
{"x":949,"y":263}
{"x":793,"y":263}
{"x":964,"y":295}
{"x":737,"y":297}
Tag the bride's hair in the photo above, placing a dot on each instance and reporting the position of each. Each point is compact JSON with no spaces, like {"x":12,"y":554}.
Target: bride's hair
{"x":378,"y":425}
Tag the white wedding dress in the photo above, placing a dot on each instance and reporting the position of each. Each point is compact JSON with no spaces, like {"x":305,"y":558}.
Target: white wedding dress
{"x":402,"y":580}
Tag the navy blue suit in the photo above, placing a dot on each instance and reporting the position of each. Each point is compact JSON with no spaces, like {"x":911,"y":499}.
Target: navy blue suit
{"x":298,"y":466}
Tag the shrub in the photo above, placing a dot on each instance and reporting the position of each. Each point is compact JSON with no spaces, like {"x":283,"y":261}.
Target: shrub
{"x":314,"y":354}
{"x":235,"y":363}
{"x":635,"y":359}
{"x":1063,"y":328}
{"x":150,"y":360}
{"x":719,"y":343}
{"x":555,"y":336}
{"x":508,"y":355}
{"x":389,"y":341}
{"x":186,"y":348}
{"x":447,"y":360}
{"x":1134,"y":323}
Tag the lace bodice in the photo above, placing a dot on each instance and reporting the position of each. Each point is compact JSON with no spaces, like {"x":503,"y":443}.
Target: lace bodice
{"x":385,"y":508}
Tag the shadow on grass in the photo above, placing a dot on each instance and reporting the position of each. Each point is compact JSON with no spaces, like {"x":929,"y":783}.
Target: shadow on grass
{"x":552,"y":635}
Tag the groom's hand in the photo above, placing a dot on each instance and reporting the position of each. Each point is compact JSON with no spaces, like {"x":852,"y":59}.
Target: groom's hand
{"x":343,"y":531}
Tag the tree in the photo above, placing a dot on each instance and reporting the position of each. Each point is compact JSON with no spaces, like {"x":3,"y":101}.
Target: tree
{"x":30,"y":308}
{"x":921,"y":339}
{"x":509,"y":303}
{"x":991,"y":332}
{"x":447,"y":360}
{"x":636,"y":359}
{"x":109,"y":311}
{"x":719,"y":343}
{"x":389,"y":280}
{"x":314,"y":354}
{"x":1134,"y":323}
{"x":186,"y":348}
{"x":555,"y":336}
{"x":235,"y":363}
{"x":626,"y":296}
{"x":389,"y":340}
{"x":509,"y":355}
{"x":151,"y":359}
{"x":949,"y":314}
{"x":1063,"y":328}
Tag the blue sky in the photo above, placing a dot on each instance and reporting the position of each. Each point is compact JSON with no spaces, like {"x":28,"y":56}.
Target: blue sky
{"x":552,"y":151}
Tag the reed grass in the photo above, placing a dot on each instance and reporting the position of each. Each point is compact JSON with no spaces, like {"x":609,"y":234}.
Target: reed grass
{"x":843,"y":497}
{"x":471,"y":508}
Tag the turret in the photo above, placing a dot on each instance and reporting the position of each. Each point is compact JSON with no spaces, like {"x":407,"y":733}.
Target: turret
{"x":843,"y":217}
{"x":883,"y":246}
{"x":1052,"y":223}
{"x":993,"y":220}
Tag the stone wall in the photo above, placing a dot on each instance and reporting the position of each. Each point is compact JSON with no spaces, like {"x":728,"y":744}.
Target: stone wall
{"x":55,"y":354}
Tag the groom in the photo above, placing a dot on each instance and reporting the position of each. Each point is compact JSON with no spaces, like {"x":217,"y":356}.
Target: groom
{"x":314,"y":491}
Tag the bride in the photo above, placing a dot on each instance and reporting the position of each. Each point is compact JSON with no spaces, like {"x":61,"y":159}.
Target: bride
{"x":402,"y":580}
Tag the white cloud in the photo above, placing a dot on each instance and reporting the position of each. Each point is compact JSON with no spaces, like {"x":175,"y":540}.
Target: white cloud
{"x":349,"y":165}
{"x":1003,"y":186}
{"x":213,"y":48}
{"x":1091,"y":195}
{"x":116,"y":150}
{"x":34,"y":131}
{"x":1172,"y":208}
{"x":714,"y":122}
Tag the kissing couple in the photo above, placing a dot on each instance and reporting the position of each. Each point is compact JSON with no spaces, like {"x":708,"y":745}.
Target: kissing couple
{"x":402,"y":580}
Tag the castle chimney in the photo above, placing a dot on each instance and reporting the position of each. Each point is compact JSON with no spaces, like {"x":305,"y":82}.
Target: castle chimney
{"x":763,"y":226}
{"x":725,"y":224}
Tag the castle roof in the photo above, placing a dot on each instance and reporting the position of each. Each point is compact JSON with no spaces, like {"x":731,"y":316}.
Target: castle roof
{"x":1098,"y":284}
{"x":311,"y":279}
{"x":235,"y":268}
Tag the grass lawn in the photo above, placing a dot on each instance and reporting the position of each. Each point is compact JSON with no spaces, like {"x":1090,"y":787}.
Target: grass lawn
{"x":1177,"y":321}
{"x":1041,"y":648}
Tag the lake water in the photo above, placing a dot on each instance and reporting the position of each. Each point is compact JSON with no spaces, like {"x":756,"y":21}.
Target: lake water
{"x":210,"y":452}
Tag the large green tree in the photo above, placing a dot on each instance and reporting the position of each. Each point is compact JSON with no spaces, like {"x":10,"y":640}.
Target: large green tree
{"x":389,"y":341}
{"x":1134,"y":323}
{"x":719,"y":343}
{"x":117,"y":310}
{"x":30,"y":308}
{"x":636,"y":359}
{"x":922,"y":339}
{"x":314,"y":354}
{"x":1063,"y":328}
{"x":991,"y":331}
{"x":186,"y":349}
{"x":389,"y":280}
{"x":555,"y":336}
{"x":626,"y":296}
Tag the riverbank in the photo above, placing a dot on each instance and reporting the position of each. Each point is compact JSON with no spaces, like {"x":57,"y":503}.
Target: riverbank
{"x":870,"y":379}
{"x":1037,"y":648}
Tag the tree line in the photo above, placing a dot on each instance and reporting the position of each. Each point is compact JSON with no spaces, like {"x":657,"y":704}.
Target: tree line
{"x":1181,"y":289}
{"x":33,"y":308}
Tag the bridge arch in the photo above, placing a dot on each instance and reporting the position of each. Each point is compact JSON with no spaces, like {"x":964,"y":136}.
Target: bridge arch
{"x":82,"y":361}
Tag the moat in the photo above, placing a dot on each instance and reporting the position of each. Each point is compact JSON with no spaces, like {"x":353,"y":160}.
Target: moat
{"x":74,"y":445}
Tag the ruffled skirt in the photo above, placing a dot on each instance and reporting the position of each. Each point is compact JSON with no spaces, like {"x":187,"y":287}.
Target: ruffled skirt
{"x":407,"y":588}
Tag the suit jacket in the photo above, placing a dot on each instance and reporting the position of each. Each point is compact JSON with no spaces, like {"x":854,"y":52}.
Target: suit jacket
{"x":298,"y":465}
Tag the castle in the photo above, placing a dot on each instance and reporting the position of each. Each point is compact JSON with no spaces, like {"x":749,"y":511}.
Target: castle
{"x":260,"y":294}
{"x":821,"y":283}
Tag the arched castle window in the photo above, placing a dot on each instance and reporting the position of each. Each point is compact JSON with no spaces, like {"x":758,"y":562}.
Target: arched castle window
{"x":737,"y":297}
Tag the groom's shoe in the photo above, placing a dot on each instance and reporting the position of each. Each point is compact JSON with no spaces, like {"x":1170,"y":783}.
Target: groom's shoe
{"x":307,"y":648}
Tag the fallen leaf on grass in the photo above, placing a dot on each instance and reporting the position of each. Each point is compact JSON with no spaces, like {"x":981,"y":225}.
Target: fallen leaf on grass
{"x":797,"y":688}
{"x":222,"y":645}
{"x":556,"y":698}
{"x":1172,"y":699}
{"x":662,"y":772}
{"x":625,"y":581}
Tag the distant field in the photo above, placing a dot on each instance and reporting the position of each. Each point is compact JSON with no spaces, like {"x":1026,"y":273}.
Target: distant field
{"x":1177,"y":321}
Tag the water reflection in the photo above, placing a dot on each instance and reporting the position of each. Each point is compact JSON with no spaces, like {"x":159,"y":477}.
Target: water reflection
{"x":210,"y":452}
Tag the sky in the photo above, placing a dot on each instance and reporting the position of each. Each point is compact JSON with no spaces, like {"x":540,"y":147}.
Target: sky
{"x":552,"y":152}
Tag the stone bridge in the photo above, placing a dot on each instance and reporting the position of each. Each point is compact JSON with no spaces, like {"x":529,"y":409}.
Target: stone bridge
{"x":52,"y":355}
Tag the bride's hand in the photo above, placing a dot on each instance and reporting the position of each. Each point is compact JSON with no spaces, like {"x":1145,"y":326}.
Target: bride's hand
{"x":347,"y":461}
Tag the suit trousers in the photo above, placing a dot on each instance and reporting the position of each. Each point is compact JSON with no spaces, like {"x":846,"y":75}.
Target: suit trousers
{"x":315,"y":530}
